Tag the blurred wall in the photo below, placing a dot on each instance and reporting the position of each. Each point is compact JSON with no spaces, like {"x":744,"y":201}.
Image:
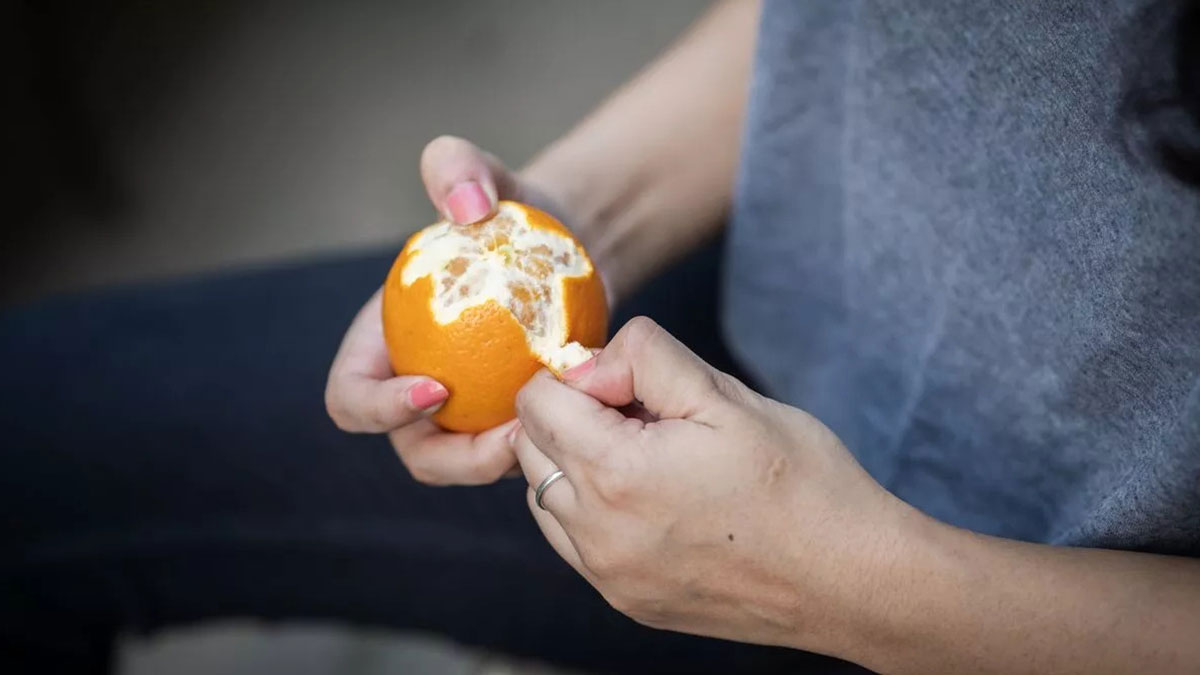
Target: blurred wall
{"x":154,"y":139}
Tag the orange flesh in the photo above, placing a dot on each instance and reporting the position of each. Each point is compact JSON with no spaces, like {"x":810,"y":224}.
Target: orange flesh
{"x":485,"y":353}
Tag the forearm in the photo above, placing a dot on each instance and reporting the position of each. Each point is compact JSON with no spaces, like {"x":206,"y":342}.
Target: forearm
{"x":649,"y":174}
{"x":955,"y":601}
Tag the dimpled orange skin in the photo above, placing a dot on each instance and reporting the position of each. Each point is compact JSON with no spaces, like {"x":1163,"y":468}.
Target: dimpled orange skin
{"x":481,"y":357}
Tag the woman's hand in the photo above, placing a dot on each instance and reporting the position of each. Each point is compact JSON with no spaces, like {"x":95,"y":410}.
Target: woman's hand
{"x":692,"y":503}
{"x":636,"y":185}
{"x":363,"y":395}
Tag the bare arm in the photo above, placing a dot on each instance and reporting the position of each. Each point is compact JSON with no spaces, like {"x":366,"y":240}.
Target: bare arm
{"x":734,"y":516}
{"x":649,"y":175}
{"x":955,"y":601}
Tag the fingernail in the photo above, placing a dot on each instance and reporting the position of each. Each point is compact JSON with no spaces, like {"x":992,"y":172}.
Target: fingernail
{"x":468,"y":203}
{"x":512,"y":433}
{"x":427,"y":394}
{"x":577,"y":372}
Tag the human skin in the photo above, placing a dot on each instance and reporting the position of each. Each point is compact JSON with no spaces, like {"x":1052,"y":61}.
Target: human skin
{"x":720,"y":512}
{"x":640,"y":184}
{"x":717,"y":511}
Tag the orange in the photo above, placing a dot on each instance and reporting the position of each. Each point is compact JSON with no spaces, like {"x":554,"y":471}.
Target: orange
{"x":480,"y":308}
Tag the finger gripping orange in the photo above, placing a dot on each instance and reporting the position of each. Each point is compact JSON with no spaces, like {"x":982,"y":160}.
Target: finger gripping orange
{"x":482,"y":307}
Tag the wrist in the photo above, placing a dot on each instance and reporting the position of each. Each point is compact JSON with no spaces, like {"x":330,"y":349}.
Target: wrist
{"x":596,"y":211}
{"x":908,"y":590}
{"x":562,"y":180}
{"x":871,"y":582}
{"x":634,"y":215}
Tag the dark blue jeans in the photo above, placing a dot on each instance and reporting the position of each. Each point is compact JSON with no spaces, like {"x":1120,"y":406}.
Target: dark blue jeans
{"x":167,"y":459}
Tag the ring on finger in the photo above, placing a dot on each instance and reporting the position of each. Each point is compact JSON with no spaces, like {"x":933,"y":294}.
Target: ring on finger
{"x":544,"y":485}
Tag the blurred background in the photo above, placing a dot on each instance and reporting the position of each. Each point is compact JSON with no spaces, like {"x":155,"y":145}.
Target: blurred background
{"x":153,"y":139}
{"x":150,"y":140}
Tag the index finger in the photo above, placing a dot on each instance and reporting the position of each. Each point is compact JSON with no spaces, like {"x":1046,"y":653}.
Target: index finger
{"x":566,"y":424}
{"x":644,"y":364}
{"x":436,"y":457}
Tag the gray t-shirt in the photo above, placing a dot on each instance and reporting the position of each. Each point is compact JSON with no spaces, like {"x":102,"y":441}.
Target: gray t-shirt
{"x":940,"y":247}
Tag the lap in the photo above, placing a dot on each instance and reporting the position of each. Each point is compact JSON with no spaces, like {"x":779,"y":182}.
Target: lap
{"x":170,"y":460}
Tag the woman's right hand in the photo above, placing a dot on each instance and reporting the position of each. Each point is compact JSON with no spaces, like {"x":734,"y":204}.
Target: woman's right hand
{"x":363,"y":395}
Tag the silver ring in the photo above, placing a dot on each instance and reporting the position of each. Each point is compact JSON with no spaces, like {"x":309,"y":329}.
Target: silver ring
{"x":542,"y":486}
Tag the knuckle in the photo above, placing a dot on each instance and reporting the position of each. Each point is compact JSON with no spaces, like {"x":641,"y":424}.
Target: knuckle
{"x":490,"y":469}
{"x":639,"y":331}
{"x":379,"y":413}
{"x":337,"y":411}
{"x":613,"y":557}
{"x":615,"y":475}
{"x":529,"y":394}
{"x":613,"y":487}
{"x":418,"y":470}
{"x":390,"y":409}
{"x":729,"y":386}
{"x":721,"y":390}
{"x":601,"y":459}
{"x":723,"y":383}
{"x":492,"y":473}
{"x":604,"y":562}
{"x":422,"y":474}
{"x":343,"y":423}
{"x":719,"y":387}
{"x":523,"y":399}
{"x":620,"y":602}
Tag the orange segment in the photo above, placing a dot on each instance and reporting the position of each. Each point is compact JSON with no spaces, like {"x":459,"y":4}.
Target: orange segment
{"x":482,"y":307}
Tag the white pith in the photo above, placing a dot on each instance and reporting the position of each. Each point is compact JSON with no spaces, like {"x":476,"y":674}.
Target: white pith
{"x":506,"y":259}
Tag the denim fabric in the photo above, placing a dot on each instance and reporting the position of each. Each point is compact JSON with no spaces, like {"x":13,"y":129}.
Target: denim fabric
{"x":167,"y":459}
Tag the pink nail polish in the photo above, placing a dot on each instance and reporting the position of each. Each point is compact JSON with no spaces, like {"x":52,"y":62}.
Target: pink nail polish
{"x":468,"y":203}
{"x":577,"y":372}
{"x":427,"y":394}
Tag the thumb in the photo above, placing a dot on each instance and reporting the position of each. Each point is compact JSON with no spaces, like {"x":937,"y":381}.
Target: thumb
{"x":643,"y":363}
{"x":462,"y":181}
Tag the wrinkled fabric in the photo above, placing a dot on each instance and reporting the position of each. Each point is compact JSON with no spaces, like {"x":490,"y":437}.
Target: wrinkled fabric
{"x":942,"y":247}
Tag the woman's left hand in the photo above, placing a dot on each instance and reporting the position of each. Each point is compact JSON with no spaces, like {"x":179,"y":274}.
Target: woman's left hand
{"x":694,"y":504}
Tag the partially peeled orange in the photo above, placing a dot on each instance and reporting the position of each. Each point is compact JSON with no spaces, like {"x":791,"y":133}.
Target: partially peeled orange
{"x":482,"y":307}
